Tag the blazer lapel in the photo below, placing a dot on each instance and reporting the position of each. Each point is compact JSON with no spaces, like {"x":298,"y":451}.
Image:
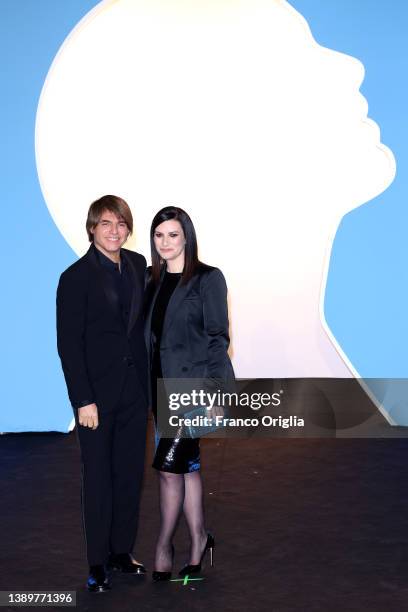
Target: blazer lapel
{"x":178,"y":296}
{"x":136,"y":302}
{"x":150,"y":306}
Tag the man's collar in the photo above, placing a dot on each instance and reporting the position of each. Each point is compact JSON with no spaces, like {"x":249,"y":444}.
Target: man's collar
{"x":108,"y":263}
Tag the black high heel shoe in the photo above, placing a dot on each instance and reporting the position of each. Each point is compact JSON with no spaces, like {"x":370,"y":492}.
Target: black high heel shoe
{"x":194,"y":569}
{"x":163,"y":576}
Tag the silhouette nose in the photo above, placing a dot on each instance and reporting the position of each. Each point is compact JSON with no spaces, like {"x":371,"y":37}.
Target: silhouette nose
{"x":350,"y":67}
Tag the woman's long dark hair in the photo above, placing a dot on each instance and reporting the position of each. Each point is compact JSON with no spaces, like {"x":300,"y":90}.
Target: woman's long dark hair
{"x":191,"y":260}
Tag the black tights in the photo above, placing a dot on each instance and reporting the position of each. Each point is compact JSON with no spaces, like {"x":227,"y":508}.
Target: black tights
{"x":180,"y":492}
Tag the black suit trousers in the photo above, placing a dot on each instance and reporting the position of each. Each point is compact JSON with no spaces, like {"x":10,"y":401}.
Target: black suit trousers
{"x":112,"y":471}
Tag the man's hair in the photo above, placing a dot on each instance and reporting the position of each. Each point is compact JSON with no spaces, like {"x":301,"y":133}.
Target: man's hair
{"x":115,"y":205}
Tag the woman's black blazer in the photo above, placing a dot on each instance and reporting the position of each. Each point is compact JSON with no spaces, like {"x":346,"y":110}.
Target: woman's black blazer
{"x":195,"y":337}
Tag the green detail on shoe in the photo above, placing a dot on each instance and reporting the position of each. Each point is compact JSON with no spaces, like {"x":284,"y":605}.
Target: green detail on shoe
{"x":185,"y":580}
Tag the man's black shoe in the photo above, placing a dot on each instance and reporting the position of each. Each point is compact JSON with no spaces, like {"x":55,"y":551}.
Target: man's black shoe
{"x":98,"y":580}
{"x":125,"y":563}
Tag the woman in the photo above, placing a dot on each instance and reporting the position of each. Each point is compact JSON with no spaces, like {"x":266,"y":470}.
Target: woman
{"x":187,"y":337}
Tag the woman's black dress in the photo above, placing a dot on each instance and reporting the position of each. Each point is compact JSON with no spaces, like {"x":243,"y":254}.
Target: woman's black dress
{"x":177,"y":455}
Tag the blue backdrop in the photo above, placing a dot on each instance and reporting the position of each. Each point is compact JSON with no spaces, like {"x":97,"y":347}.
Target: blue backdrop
{"x":367,"y":288}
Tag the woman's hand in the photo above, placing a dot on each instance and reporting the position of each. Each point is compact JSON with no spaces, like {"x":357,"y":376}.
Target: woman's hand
{"x":215,"y":411}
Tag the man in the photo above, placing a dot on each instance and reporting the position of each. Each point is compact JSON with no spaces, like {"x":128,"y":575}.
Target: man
{"x":103,"y":355}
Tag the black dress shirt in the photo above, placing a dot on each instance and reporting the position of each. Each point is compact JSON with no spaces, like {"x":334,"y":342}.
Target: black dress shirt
{"x":122,"y":282}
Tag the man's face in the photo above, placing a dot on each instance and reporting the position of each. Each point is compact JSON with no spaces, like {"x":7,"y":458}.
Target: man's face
{"x":110,"y":233}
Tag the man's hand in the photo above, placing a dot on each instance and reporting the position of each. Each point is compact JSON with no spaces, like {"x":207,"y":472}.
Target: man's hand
{"x":88,"y":416}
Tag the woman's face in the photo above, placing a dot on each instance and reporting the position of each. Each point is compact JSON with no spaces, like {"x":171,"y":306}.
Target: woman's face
{"x":170,"y":241}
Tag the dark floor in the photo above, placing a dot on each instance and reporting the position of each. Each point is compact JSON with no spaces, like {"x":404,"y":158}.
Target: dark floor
{"x":299,"y":525}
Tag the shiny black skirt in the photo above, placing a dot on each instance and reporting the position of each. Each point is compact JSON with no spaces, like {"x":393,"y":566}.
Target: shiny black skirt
{"x":177,"y":455}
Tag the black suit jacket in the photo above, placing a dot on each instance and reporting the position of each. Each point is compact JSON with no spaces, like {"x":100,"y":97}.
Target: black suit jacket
{"x":93,"y":342}
{"x":195,"y":337}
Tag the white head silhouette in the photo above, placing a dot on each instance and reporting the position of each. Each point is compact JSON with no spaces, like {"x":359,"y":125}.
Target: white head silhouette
{"x":231,"y":110}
